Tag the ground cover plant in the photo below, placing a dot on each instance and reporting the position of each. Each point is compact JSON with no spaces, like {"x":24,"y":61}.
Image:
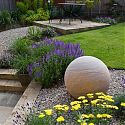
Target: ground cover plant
{"x":107,"y":20}
{"x":91,"y":109}
{"x":106,"y":44}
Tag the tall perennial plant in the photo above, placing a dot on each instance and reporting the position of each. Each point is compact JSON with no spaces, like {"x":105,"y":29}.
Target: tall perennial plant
{"x":50,"y":68}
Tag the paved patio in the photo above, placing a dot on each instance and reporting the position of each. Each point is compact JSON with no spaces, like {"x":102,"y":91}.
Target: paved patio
{"x":75,"y":26}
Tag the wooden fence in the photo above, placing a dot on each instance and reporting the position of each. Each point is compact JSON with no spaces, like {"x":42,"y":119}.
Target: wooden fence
{"x":7,"y":5}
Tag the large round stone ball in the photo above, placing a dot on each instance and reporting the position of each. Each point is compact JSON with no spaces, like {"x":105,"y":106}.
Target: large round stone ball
{"x":86,"y":74}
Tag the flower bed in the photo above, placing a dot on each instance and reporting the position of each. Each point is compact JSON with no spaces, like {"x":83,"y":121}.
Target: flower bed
{"x":48,"y":98}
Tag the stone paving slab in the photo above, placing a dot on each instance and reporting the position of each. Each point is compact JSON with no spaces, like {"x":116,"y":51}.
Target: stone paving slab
{"x":9,"y":99}
{"x":29,"y":96}
{"x":75,"y":26}
{"x":4,"y":113}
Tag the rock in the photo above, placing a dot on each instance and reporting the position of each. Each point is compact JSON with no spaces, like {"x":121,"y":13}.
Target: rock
{"x":86,"y":74}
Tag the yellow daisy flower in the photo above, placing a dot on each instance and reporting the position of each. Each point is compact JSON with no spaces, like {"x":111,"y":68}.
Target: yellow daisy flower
{"x":41,"y":115}
{"x":123,"y":104}
{"x":48,"y":111}
{"x":60,"y":119}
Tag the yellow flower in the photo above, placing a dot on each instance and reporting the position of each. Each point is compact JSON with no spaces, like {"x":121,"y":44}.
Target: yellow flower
{"x":99,"y":116}
{"x":58,"y":107}
{"x":81,"y":97}
{"x":91,"y":123}
{"x":85,"y":101}
{"x":90,"y":95}
{"x":60,"y":119}
{"x":104,"y":116}
{"x":48,"y":111}
{"x":91,"y":116}
{"x":123,"y":104}
{"x":84,"y":123}
{"x":75,"y":102}
{"x":94,"y":102}
{"x":85,"y":116}
{"x":65,"y":107}
{"x":41,"y":115}
{"x":76,"y":107}
{"x":100,"y":94}
{"x":79,"y":121}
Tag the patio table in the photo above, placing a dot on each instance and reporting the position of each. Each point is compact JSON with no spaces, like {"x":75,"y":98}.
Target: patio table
{"x":71,"y":13}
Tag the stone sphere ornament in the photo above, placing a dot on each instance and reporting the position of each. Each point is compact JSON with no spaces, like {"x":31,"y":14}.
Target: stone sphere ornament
{"x":86,"y":74}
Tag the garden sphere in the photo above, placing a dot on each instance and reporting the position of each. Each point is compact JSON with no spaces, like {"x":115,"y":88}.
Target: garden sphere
{"x":86,"y":74}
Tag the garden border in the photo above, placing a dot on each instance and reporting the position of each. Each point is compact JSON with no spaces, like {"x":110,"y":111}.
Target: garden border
{"x":28,"y":98}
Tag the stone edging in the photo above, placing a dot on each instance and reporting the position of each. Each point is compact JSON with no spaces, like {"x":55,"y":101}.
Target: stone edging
{"x":19,"y":114}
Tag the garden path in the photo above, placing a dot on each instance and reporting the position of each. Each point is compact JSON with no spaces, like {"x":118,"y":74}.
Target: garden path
{"x":6,"y":37}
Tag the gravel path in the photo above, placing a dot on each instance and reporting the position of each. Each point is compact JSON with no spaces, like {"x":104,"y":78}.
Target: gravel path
{"x":58,"y":95}
{"x":8,"y":36}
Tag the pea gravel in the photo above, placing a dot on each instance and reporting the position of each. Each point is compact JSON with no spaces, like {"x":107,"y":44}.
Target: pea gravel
{"x":7,"y":37}
{"x":58,"y":95}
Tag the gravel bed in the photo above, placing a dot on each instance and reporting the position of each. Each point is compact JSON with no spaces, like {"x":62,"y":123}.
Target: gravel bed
{"x":58,"y":95}
{"x":7,"y":37}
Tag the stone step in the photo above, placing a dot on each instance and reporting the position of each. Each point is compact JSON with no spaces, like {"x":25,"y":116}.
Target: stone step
{"x":4,"y":113}
{"x":8,"y":74}
{"x":11,"y":85}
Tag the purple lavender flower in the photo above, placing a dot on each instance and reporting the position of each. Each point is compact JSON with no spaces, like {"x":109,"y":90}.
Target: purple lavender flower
{"x":51,"y":66}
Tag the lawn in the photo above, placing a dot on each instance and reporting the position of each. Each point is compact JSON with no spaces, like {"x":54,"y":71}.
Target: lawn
{"x":107,"y":44}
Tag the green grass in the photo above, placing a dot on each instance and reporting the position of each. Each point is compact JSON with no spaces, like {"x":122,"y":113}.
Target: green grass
{"x":107,"y":44}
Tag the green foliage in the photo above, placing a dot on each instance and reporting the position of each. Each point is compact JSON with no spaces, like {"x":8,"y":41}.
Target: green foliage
{"x":49,"y":32}
{"x":20,"y":46}
{"x":37,"y":4}
{"x":51,"y":66}
{"x":5,"y":18}
{"x":34,"y":33}
{"x":22,"y":7}
{"x":21,"y":62}
{"x":120,"y":113}
{"x":40,"y":14}
{"x":91,"y":109}
{"x":89,"y":3}
{"x":108,"y":20}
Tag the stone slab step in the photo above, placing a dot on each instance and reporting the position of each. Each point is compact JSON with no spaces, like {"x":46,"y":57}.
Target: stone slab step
{"x":11,"y":85}
{"x":8,"y":74}
{"x":4,"y":113}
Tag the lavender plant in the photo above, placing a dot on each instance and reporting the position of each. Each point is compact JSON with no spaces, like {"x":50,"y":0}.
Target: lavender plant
{"x":50,"y":68}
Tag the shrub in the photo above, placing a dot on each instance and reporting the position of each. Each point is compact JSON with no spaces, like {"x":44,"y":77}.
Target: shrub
{"x":96,"y":109}
{"x":20,"y":46}
{"x":21,"y":62}
{"x":40,"y":14}
{"x":34,"y":33}
{"x":108,"y":20}
{"x":50,"y":68}
{"x":5,"y":18}
{"x":49,"y":32}
{"x":25,"y":53}
{"x":22,"y":7}
{"x":37,"y":4}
